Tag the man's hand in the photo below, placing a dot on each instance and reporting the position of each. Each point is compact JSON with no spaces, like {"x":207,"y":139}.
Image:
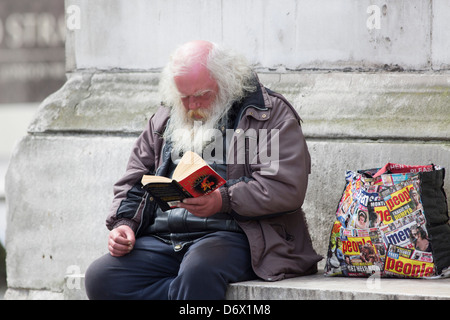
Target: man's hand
{"x":204,"y":206}
{"x":121,"y":241}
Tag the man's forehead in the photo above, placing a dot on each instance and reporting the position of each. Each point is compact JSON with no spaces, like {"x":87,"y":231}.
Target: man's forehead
{"x":194,"y":80}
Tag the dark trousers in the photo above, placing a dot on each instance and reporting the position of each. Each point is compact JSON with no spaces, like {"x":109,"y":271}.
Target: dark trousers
{"x":153,"y":270}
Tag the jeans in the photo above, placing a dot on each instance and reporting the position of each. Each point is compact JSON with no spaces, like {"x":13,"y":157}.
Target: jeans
{"x":153,"y":270}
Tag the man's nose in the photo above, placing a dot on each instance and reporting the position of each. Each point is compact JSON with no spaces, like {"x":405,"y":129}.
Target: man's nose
{"x":193,"y":103}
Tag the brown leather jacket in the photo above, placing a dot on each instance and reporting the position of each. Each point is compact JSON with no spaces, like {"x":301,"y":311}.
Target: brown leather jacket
{"x":264,"y":199}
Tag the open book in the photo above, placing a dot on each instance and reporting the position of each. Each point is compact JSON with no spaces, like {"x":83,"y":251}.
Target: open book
{"x":192,"y":177}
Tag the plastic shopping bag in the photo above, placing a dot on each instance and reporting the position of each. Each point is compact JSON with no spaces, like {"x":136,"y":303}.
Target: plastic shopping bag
{"x":392,"y":220}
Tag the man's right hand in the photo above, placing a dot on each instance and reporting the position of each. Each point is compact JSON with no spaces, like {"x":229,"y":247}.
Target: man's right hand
{"x":121,"y":241}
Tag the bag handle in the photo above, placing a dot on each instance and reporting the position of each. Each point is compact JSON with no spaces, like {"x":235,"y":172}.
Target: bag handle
{"x":402,"y":168}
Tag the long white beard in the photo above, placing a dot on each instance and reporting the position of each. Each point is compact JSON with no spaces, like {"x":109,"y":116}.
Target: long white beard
{"x":186,"y":133}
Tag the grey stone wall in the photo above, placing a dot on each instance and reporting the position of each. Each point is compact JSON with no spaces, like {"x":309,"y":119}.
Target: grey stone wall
{"x":357,"y":113}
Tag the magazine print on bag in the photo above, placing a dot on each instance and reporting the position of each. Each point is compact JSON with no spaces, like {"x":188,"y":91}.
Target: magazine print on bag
{"x":381,"y":226}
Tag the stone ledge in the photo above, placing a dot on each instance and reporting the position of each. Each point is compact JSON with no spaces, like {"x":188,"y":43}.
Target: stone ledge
{"x":407,"y":105}
{"x":316,"y":287}
{"x":319,"y":287}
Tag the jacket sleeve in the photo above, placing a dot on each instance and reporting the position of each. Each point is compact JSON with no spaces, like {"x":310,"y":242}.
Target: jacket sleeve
{"x":129,"y":199}
{"x":275,"y":188}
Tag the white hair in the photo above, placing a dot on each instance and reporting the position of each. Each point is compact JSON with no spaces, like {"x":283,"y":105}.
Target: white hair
{"x":235,"y":79}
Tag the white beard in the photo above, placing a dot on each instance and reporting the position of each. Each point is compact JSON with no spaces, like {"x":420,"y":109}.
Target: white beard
{"x":186,"y":133}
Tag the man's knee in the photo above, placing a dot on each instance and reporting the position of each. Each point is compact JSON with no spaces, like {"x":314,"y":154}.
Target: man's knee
{"x":202,"y":275}
{"x":95,"y":279}
{"x":198,"y":284}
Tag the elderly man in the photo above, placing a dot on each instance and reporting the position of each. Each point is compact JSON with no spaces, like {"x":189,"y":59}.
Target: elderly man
{"x":252,"y":227}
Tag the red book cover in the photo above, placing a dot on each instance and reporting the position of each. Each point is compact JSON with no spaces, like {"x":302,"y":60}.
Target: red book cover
{"x":192,"y":178}
{"x":202,"y":182}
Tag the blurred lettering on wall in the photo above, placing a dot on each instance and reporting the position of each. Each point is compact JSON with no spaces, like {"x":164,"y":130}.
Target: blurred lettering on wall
{"x":32,"y":55}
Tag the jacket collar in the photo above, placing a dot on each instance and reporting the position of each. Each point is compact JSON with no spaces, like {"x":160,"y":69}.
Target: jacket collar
{"x":256,"y":104}
{"x":259,"y":98}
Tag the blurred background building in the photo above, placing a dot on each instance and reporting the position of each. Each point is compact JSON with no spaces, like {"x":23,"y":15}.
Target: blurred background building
{"x":32,"y":66}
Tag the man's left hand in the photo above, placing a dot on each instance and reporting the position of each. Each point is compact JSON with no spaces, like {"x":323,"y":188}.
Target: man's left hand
{"x":204,"y":206}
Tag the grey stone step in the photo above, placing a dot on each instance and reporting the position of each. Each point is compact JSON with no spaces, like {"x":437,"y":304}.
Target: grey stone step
{"x":316,"y":287}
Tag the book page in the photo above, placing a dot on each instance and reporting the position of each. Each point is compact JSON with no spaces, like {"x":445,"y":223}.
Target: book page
{"x":146,"y":179}
{"x":189,"y":163}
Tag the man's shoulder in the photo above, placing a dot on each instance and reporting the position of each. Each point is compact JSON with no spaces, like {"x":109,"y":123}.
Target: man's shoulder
{"x":277,"y":95}
{"x":160,"y":117}
{"x":162,"y":112}
{"x":284,"y":106}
